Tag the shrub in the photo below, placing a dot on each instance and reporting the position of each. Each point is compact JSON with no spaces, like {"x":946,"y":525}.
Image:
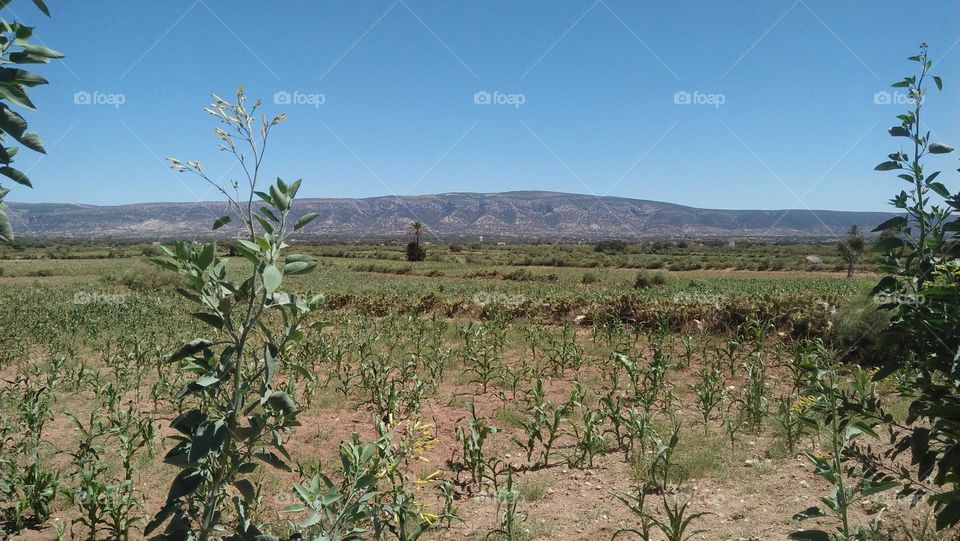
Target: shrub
{"x":415,"y":252}
{"x":455,"y":248}
{"x":590,"y":278}
{"x":613,"y":246}
{"x":153,"y":251}
{"x":857,"y":329}
{"x":647,"y":279}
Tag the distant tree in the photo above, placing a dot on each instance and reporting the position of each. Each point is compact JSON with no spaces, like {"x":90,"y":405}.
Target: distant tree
{"x":851,"y":248}
{"x":415,"y":252}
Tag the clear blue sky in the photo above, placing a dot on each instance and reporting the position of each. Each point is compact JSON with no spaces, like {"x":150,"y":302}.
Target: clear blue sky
{"x":798,"y":126}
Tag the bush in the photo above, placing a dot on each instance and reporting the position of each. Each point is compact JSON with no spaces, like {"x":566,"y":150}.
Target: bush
{"x":589,"y":278}
{"x":611,"y":246}
{"x":647,"y":279}
{"x":455,"y":248}
{"x":155,"y":251}
{"x":415,"y":252}
{"x":857,"y":330}
{"x":146,"y":278}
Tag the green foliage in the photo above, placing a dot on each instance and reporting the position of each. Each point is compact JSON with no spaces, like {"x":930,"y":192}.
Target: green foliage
{"x":837,"y":464}
{"x":922,"y":292}
{"x":16,"y":48}
{"x":645,"y":279}
{"x":415,"y":252}
{"x":612,"y":246}
{"x":235,"y":417}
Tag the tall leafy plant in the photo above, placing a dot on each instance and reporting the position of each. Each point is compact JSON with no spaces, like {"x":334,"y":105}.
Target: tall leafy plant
{"x":15,"y":48}
{"x":237,"y":418}
{"x":921,"y":292}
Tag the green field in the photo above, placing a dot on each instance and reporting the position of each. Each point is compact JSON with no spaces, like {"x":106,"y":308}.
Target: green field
{"x":523,"y":334}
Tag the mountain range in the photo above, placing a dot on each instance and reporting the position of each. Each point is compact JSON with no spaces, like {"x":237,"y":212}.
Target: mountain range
{"x":508,"y":216}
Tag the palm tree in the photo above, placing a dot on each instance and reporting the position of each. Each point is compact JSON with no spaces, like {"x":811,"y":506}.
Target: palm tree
{"x":414,"y":251}
{"x":416,"y":228}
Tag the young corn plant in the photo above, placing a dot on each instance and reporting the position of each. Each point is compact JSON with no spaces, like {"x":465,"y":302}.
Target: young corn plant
{"x":588,"y":438}
{"x":511,"y":518}
{"x":472,"y":439}
{"x":711,"y":392}
{"x":237,"y":419}
{"x":792,"y":419}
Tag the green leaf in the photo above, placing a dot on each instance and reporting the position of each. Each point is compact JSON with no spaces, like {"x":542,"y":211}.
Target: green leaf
{"x":280,"y":201}
{"x":887,"y":166}
{"x":264,"y":196}
{"x":304,"y":220}
{"x":272,"y":277}
{"x":875,"y":488}
{"x":899,"y":131}
{"x":897,"y":221}
{"x":273,"y":460}
{"x":208,"y":438}
{"x":42,"y":7}
{"x":188,"y":421}
{"x":16,"y":175}
{"x":210,"y":319}
{"x":41,"y":51}
{"x":282,"y":401}
{"x":207,"y":253}
{"x":221,"y":221}
{"x":810,"y":535}
{"x":938,"y":82}
{"x":247,"y":490}
{"x":294,"y":188}
{"x":939,"y":148}
{"x":23,"y":77}
{"x":189,"y":349}
{"x":185,"y":483}
{"x":299,"y":267}
{"x":810,"y":512}
{"x":6,"y":229}
{"x":15,"y":93}
{"x":940,"y":189}
{"x":14,"y":124}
